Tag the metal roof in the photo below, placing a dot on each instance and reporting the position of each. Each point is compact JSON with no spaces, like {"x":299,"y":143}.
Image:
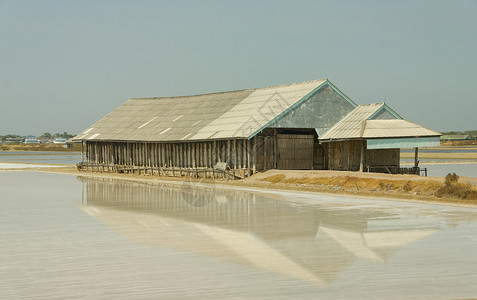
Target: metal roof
{"x":395,"y":128}
{"x":235,"y":114}
{"x":351,"y":125}
{"x":359,"y":124}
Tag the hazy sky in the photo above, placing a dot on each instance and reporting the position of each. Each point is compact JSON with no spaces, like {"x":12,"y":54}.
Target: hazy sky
{"x":66,"y":64}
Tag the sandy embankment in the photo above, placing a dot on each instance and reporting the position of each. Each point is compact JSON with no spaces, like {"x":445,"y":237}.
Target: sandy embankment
{"x":402,"y":187}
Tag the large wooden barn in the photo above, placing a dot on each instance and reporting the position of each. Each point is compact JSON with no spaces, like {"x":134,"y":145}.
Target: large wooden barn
{"x":306,"y":125}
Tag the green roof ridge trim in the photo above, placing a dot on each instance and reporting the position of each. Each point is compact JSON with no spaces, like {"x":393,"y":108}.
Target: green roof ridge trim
{"x":304,"y":99}
{"x":388,"y":109}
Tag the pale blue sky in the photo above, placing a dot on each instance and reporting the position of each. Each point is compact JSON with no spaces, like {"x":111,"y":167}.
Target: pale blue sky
{"x":66,"y":64}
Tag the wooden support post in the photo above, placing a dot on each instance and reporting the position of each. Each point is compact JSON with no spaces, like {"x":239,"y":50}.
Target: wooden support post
{"x":222,"y":151}
{"x":348,"y":149}
{"x":209,"y":153}
{"x":416,"y":156}
{"x":416,"y":161}
{"x":244,"y":154}
{"x":201,"y":154}
{"x":187,"y":156}
{"x":248,"y":158}
{"x":361,"y":162}
{"x":235,"y":154}
{"x":275,"y":148}
{"x":228,"y":160}
{"x":193,"y":156}
{"x":216,"y":159}
{"x":254,"y":155}
{"x":265,"y":148}
{"x":239,"y":155}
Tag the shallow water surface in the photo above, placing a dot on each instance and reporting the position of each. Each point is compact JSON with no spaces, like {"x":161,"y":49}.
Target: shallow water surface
{"x":40,"y":157}
{"x":67,"y":237}
{"x":441,"y":170}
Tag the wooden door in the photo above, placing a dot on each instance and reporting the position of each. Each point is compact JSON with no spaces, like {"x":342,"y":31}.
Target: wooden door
{"x":295,"y":151}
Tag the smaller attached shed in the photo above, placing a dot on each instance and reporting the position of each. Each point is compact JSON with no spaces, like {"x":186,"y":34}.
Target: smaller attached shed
{"x":370,"y":138}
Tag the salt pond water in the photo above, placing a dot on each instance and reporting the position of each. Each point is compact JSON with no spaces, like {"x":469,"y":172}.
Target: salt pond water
{"x":40,"y":157}
{"x":67,"y":237}
{"x":441,"y":170}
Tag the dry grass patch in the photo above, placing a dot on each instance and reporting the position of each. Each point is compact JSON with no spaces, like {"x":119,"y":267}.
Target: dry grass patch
{"x":452,"y":188}
{"x":423,"y":187}
{"x":274,"y":178}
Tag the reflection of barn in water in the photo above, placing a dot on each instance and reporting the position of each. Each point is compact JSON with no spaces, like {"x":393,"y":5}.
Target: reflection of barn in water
{"x":312,"y":243}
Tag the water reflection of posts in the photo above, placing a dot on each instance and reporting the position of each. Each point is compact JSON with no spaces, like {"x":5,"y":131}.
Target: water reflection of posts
{"x":311,"y":243}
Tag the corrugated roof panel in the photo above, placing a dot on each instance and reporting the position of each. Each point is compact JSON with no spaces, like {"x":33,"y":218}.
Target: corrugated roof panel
{"x":351,"y":125}
{"x":356,"y":125}
{"x":395,"y":128}
{"x":224,"y":115}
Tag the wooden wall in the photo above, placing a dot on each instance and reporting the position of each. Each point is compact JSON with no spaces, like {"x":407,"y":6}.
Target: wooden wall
{"x":295,"y":151}
{"x":271,"y":149}
{"x":268,"y":150}
{"x":381,"y":157}
{"x":265,"y":150}
{"x":320,"y":156}
{"x":346,"y":156}
{"x":236,"y":153}
{"x":286,"y":149}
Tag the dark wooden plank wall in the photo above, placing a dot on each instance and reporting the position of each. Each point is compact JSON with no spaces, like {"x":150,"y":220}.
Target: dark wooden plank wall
{"x":238,"y":154}
{"x":346,"y":156}
{"x":268,"y":150}
{"x":295,"y":151}
{"x":382,"y":157}
{"x":320,"y":158}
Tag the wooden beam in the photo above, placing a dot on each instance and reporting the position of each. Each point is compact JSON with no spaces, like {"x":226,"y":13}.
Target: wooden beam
{"x":416,"y":156}
{"x":215,"y":158}
{"x":275,"y":148}
{"x":193,"y":156}
{"x":234,"y":153}
{"x":244,"y":153}
{"x":248,"y":157}
{"x":228,"y":159}
{"x":254,"y":155}
{"x":361,"y":161}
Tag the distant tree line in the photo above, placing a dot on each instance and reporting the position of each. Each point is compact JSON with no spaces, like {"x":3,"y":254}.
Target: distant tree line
{"x":467,"y":132}
{"x":46,"y":135}
{"x":64,"y":135}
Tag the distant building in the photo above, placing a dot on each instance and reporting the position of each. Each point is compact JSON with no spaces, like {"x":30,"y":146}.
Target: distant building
{"x":12,"y":140}
{"x":60,"y":141}
{"x":45,"y":140}
{"x":31,"y":140}
{"x":307,"y":125}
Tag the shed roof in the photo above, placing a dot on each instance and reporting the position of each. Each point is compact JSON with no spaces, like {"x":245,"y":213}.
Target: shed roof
{"x":361,"y":124}
{"x":235,"y":114}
